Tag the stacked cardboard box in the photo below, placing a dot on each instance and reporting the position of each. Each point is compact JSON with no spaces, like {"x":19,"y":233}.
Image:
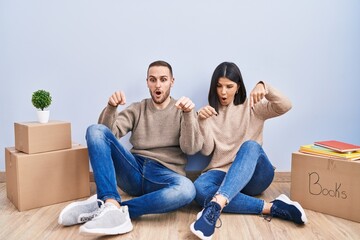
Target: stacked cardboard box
{"x":326,"y":185}
{"x":44,"y":167}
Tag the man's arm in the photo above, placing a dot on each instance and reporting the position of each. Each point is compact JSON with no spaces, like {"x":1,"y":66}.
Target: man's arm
{"x":191,"y":140}
{"x":108,"y":116}
{"x":119,"y":123}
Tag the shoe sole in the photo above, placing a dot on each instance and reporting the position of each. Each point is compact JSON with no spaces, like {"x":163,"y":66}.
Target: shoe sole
{"x":285,"y":199}
{"x":75,"y":204}
{"x":198,"y":233}
{"x":122,"y":229}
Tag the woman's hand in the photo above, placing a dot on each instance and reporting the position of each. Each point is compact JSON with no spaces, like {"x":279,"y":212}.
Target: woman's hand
{"x":207,"y":112}
{"x":257,"y":94}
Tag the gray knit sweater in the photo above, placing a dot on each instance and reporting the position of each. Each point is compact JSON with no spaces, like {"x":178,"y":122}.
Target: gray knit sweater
{"x":225,"y":133}
{"x":165,"y":135}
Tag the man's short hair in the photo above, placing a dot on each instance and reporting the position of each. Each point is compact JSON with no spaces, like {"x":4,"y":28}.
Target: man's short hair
{"x":161,"y":63}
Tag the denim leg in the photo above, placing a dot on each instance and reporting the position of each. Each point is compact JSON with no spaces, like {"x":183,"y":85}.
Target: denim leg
{"x":249,"y":175}
{"x":164,"y":191}
{"x":111,"y":161}
{"x":206,"y":186}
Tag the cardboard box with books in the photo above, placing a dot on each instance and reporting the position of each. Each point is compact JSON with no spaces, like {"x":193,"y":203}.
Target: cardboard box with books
{"x":326,"y":184}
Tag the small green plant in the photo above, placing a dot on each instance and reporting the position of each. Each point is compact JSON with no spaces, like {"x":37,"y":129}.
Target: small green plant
{"x":41,"y":99}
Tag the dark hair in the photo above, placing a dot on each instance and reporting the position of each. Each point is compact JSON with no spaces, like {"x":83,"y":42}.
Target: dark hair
{"x":232,"y":72}
{"x":161,"y":63}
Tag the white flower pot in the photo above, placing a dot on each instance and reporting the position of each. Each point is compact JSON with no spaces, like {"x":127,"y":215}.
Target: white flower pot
{"x":43,"y":116}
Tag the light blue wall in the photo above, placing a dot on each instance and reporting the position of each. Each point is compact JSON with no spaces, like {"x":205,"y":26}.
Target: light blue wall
{"x":83,"y":50}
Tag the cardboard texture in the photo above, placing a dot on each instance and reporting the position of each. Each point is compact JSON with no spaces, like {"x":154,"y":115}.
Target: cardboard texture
{"x":37,"y":180}
{"x":35,"y":137}
{"x":326,"y":185}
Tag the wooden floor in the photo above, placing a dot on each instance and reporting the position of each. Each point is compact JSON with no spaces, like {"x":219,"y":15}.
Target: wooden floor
{"x":42,"y":223}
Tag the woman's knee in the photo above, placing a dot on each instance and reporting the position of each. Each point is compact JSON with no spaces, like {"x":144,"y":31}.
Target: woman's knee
{"x":261,"y":180}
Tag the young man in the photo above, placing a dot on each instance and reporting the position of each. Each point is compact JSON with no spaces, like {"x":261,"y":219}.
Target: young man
{"x":162,"y":132}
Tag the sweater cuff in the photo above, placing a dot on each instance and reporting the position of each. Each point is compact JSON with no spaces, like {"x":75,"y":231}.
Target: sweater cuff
{"x":109,"y":111}
{"x":265,"y":86}
{"x":111,"y":108}
{"x":189,"y":115}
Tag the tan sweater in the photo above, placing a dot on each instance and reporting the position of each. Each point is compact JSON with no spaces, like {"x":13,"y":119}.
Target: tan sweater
{"x":226,"y":132}
{"x":162,"y":135}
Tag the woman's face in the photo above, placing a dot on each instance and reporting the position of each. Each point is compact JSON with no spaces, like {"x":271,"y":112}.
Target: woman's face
{"x":226,"y":90}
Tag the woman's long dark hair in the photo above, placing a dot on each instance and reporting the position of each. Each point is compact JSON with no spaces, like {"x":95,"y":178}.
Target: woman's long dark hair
{"x":232,"y":72}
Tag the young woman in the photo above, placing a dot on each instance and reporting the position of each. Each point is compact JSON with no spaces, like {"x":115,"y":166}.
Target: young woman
{"x":232,"y":127}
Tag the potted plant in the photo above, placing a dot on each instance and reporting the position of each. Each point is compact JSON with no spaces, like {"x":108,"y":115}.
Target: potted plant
{"x":41,"y":99}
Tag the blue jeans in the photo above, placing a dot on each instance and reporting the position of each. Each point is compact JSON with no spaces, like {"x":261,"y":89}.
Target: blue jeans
{"x":158,"y":189}
{"x":249,"y":175}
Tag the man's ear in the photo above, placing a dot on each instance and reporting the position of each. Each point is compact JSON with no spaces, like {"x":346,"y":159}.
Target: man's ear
{"x":172,"y":82}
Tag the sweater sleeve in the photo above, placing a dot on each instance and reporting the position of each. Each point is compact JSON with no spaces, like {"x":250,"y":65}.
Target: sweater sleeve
{"x":191,"y":139}
{"x":120,"y":123}
{"x":209,"y":143}
{"x":274,"y":104}
{"x":107,"y":116}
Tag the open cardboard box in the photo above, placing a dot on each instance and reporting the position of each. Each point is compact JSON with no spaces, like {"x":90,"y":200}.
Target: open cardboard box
{"x":326,"y":185}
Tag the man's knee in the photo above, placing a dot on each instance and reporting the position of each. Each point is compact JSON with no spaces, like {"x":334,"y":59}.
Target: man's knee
{"x":95,"y":130}
{"x":187,"y":190}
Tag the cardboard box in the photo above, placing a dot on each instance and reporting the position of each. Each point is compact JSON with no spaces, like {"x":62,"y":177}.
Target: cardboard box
{"x":37,"y":180}
{"x":326,"y":185}
{"x":35,"y":137}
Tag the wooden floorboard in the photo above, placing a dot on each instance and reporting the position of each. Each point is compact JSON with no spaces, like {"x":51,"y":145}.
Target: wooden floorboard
{"x":42,"y":223}
{"x":2,"y":177}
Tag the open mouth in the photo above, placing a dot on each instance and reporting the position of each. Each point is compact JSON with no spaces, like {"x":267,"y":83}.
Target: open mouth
{"x":158,"y":92}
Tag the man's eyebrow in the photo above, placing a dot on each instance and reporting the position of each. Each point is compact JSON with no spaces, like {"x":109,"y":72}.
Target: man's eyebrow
{"x":159,"y":76}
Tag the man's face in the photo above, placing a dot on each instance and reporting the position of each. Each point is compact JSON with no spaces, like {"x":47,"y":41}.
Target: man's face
{"x":159,"y":82}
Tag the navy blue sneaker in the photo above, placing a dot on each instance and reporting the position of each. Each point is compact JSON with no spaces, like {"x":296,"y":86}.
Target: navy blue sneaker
{"x":286,"y":209}
{"x":205,"y":223}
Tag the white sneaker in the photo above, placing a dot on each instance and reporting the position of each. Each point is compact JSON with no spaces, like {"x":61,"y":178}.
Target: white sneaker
{"x":79,"y":212}
{"x":110,"y":220}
